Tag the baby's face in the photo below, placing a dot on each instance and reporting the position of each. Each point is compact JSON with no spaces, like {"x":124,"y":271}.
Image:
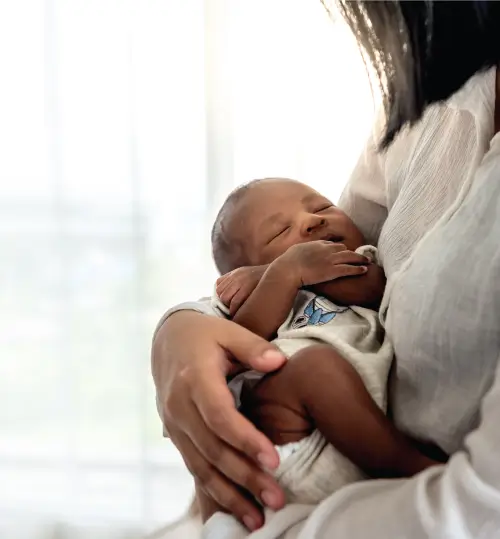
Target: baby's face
{"x":278,"y":213}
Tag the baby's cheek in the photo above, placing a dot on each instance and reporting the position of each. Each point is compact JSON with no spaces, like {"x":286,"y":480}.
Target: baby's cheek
{"x":272,"y":252}
{"x":267,"y":255}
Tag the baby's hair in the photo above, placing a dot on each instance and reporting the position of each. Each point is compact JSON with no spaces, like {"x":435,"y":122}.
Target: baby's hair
{"x":227,"y":249}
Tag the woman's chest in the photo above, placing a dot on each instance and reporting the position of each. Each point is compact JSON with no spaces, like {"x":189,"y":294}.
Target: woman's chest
{"x":444,"y":321}
{"x":425,"y":170}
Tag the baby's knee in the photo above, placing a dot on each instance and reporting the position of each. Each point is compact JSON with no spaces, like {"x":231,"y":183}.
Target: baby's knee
{"x":317,"y":354}
{"x":320,"y":361}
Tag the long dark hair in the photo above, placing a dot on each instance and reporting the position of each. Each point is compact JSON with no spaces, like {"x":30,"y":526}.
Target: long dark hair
{"x":423,"y":51}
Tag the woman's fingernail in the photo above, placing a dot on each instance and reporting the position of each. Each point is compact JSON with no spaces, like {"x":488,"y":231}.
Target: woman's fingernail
{"x":250,"y":522}
{"x":266,"y":461}
{"x":269,"y":498}
{"x":364,"y":268}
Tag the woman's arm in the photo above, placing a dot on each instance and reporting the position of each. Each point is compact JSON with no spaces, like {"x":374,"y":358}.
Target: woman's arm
{"x":459,"y":500}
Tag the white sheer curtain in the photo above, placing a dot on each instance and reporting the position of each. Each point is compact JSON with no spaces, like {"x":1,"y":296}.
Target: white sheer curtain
{"x":123,"y":124}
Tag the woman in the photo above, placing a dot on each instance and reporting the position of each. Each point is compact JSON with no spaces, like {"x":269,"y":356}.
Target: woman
{"x":432,"y":204}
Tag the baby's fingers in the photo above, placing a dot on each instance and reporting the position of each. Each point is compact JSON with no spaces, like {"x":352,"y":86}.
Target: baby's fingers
{"x":242,"y":294}
{"x":229,"y":293}
{"x":349,"y":257}
{"x":222,"y":283}
{"x":346,"y":270}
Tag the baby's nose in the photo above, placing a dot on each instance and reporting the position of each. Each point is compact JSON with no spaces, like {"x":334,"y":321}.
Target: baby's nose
{"x":314,"y":223}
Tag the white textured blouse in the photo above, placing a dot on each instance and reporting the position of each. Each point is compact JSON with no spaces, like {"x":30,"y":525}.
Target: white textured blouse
{"x":432,"y":204}
{"x":422,"y":180}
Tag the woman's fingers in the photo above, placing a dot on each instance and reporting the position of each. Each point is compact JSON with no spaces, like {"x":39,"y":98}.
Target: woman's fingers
{"x":216,"y":406}
{"x":215,"y":485}
{"x":249,"y":349}
{"x":198,"y":407}
{"x":233,"y":465}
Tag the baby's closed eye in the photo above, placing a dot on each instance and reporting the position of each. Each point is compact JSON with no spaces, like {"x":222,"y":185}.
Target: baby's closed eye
{"x":281,"y":232}
{"x":323,"y":207}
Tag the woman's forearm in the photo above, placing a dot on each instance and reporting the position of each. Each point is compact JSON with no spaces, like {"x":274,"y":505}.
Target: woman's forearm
{"x":174,"y":321}
{"x":160,"y":358}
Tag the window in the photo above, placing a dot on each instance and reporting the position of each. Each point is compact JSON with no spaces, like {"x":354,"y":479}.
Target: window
{"x":124,"y":124}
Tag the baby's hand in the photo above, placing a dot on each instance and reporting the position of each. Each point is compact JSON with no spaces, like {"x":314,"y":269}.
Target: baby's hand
{"x":319,"y":261}
{"x":235,"y":287}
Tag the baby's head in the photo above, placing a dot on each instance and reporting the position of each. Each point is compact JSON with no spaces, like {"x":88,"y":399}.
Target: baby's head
{"x":259,"y":221}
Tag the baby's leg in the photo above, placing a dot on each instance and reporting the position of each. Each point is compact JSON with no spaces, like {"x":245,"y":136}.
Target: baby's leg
{"x":319,"y":389}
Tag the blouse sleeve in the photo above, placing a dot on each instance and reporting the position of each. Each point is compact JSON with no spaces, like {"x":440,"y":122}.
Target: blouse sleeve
{"x":207,"y":306}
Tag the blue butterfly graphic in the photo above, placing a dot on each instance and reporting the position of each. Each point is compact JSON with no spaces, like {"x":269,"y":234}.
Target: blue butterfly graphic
{"x":315,"y":316}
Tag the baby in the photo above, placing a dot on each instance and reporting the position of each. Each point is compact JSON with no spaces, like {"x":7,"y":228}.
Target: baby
{"x":324,"y":410}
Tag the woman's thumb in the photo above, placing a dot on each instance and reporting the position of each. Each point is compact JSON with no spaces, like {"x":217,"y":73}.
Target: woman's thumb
{"x":251,"y":350}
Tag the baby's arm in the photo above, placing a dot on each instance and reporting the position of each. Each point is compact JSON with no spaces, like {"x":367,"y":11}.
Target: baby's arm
{"x":365,"y":290}
{"x":302,"y":265}
{"x":269,"y":304}
{"x":319,"y":389}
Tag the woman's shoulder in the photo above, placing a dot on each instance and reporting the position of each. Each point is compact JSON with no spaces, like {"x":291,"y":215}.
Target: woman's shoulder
{"x":471,"y":108}
{"x":477,"y":95}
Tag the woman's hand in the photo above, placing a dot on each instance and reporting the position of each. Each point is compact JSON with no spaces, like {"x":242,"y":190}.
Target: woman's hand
{"x":191,"y":358}
{"x":206,"y":505}
{"x":235,"y":287}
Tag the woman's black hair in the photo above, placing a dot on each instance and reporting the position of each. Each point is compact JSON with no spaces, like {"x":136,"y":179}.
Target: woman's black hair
{"x":423,"y":51}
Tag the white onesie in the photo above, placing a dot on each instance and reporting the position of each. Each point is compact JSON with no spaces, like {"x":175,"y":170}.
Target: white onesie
{"x":312,"y":469}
